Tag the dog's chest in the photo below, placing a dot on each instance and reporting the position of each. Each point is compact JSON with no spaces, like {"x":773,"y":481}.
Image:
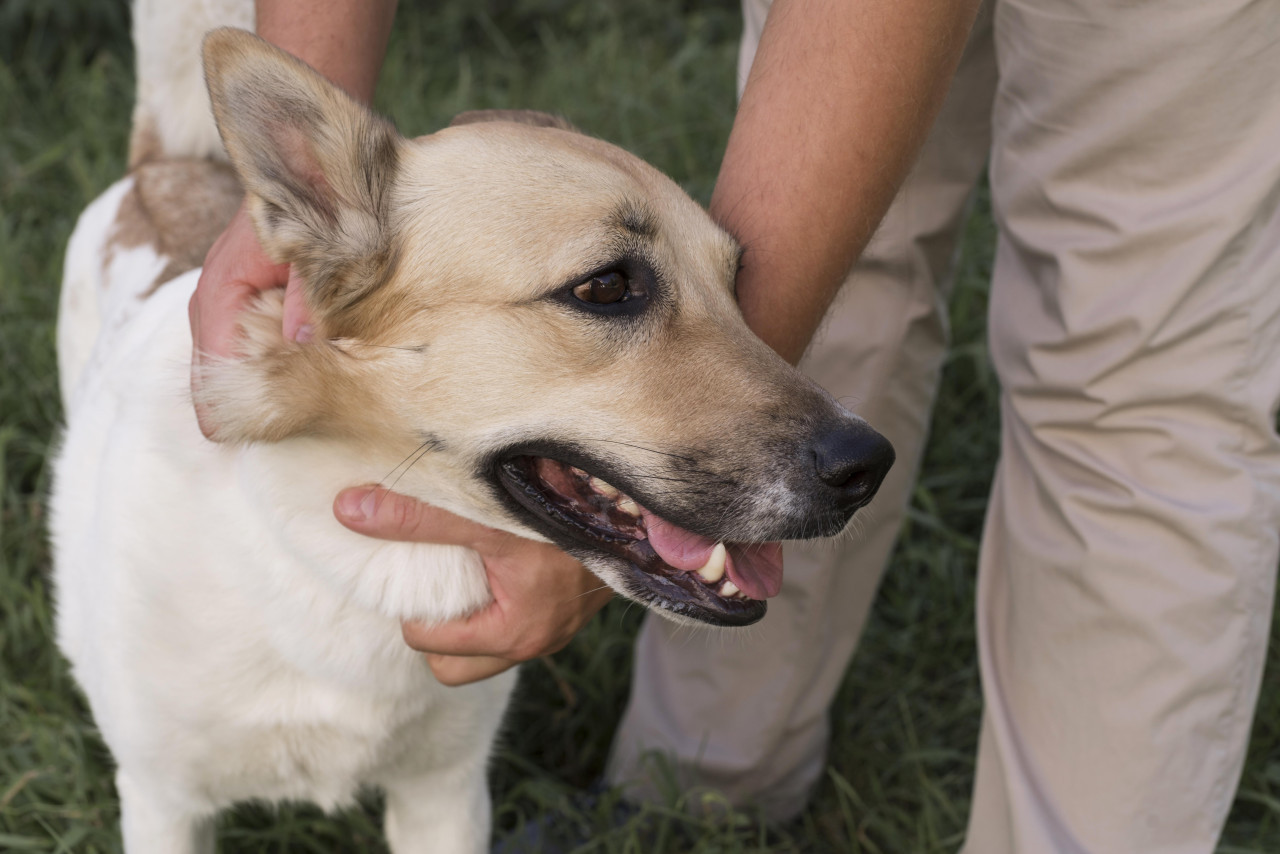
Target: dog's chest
{"x":298,"y":739}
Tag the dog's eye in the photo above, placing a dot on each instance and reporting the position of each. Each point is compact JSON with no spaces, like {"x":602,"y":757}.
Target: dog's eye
{"x":605,"y":289}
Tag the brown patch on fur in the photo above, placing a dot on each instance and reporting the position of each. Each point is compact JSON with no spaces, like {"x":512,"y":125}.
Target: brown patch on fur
{"x":536,"y":118}
{"x":178,"y":207}
{"x":144,"y":140}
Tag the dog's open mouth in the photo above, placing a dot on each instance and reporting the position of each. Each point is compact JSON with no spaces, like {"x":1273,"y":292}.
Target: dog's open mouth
{"x":675,"y":569}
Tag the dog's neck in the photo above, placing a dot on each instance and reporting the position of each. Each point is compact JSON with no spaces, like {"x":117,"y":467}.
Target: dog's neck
{"x":291,"y":486}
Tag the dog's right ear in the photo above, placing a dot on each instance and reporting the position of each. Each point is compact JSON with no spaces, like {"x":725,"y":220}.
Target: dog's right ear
{"x":317,"y":166}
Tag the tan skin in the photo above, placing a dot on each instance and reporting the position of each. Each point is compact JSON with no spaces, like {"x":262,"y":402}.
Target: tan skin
{"x":840,"y":97}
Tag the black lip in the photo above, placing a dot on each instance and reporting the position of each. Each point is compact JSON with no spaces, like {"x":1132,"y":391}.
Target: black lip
{"x":649,"y":580}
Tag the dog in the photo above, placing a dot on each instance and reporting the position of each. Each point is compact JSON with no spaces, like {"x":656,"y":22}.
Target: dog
{"x":526,"y":326}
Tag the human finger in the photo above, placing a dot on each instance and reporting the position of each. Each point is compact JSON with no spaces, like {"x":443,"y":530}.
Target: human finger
{"x":235,"y":270}
{"x":297,"y":319}
{"x":455,"y":670}
{"x":541,"y":599}
{"x":377,"y":512}
{"x":484,"y":633}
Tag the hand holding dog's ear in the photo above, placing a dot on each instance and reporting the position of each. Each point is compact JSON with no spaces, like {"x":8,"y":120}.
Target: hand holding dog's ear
{"x":317,"y":167}
{"x":345,"y":43}
{"x":235,"y":271}
{"x":541,"y":596}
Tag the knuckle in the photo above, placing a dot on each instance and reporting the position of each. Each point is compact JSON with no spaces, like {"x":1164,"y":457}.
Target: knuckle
{"x":404,"y":514}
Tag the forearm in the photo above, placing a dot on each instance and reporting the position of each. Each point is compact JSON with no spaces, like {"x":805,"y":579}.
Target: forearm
{"x":344,"y":40}
{"x":838,"y":101}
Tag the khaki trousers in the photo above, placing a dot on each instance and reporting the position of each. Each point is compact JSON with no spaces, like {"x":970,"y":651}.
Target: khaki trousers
{"x":1128,"y":564}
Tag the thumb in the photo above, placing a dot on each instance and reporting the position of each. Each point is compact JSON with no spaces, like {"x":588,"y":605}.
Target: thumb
{"x":297,"y":318}
{"x":377,"y":512}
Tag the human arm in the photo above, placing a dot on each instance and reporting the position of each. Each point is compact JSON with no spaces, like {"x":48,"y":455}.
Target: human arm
{"x":839,"y":99}
{"x":344,"y":40}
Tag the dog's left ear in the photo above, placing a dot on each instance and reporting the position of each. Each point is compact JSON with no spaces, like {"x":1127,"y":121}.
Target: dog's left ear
{"x":317,"y":166}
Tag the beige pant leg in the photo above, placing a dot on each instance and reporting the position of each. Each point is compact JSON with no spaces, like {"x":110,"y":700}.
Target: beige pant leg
{"x":1129,"y":559}
{"x":745,"y":711}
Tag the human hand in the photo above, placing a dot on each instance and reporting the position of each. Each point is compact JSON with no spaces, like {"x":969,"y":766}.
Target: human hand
{"x":235,"y":271}
{"x":541,"y":596}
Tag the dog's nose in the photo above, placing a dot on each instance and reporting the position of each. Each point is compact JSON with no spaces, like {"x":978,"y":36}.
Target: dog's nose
{"x":852,"y":459}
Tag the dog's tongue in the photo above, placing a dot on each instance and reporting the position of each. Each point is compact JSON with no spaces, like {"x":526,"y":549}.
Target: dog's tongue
{"x":755,"y":568}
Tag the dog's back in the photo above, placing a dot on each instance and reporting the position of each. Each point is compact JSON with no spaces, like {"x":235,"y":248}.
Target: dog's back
{"x":179,"y":194}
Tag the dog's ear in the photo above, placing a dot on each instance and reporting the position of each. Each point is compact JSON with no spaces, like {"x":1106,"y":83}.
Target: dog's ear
{"x":317,"y":165}
{"x":523,"y":117}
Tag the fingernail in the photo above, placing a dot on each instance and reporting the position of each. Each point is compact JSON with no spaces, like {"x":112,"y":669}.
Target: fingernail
{"x":357,"y":505}
{"x":304,"y":334}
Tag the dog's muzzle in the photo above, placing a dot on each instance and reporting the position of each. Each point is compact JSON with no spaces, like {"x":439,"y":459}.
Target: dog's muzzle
{"x":678,"y":568}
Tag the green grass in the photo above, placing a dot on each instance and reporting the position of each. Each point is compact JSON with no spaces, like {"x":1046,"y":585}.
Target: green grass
{"x":658,"y":79}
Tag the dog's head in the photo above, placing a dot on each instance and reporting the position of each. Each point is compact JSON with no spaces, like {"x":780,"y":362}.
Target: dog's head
{"x":544,"y":324}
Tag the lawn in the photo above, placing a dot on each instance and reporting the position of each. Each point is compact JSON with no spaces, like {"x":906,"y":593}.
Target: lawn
{"x":656,"y":78}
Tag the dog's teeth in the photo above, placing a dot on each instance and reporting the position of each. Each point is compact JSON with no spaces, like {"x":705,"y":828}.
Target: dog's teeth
{"x":577,"y":472}
{"x":714,"y":570}
{"x":628,"y":506}
{"x":730,"y":589}
{"x":605,"y":489}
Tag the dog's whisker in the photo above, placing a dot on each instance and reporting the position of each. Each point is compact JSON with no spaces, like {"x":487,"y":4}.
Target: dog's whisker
{"x":391,"y":347}
{"x":417,"y":454}
{"x":408,"y":457}
{"x":588,"y":592}
{"x":643,"y":448}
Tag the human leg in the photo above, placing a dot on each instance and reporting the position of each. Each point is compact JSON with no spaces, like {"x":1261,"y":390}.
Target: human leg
{"x":746,"y":712}
{"x":1129,"y":558}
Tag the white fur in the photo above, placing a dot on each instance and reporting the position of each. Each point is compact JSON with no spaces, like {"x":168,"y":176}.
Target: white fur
{"x":233,"y":639}
{"x":171,"y":93}
{"x":99,"y":283}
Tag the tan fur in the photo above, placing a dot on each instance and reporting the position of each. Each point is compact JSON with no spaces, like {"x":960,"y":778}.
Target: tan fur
{"x":526,"y":117}
{"x":437,"y":269}
{"x":505,"y":312}
{"x":324,"y":388}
